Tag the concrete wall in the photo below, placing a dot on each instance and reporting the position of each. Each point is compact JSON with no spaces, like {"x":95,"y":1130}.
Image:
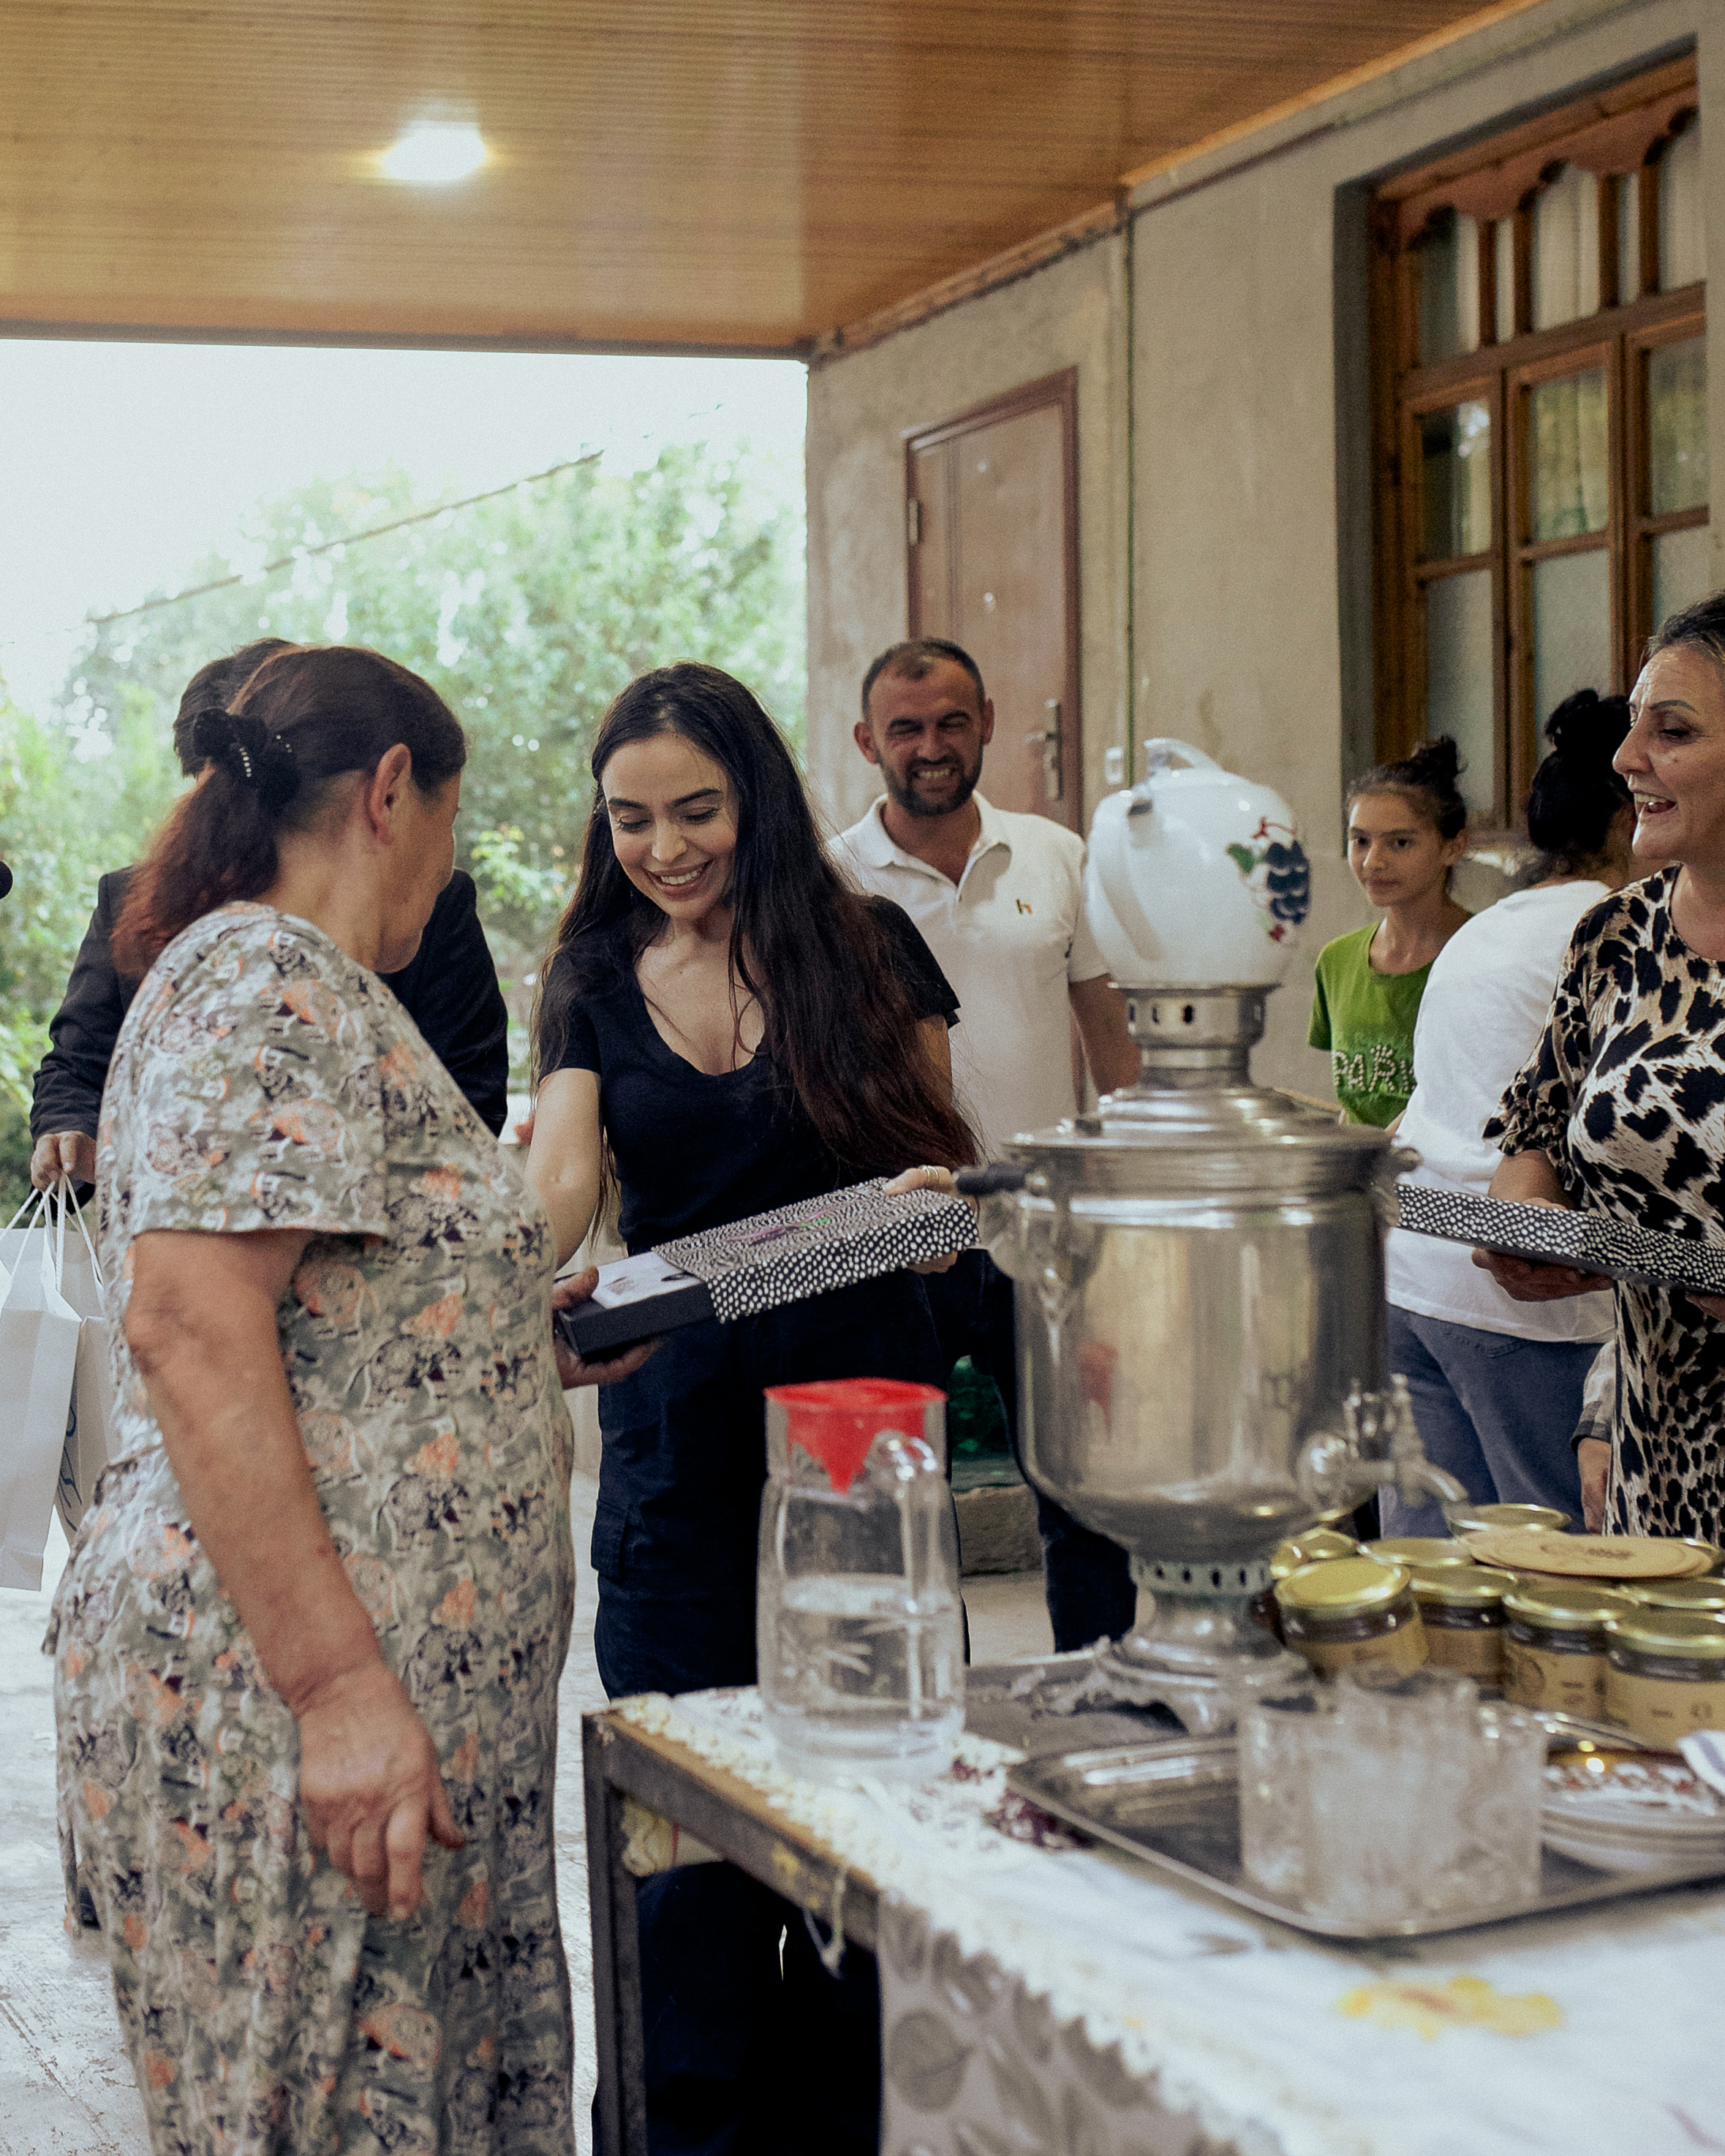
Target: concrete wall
{"x":1072,"y":314}
{"x":1245,"y":578}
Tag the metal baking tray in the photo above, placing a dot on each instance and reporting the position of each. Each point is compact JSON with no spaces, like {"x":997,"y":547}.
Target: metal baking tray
{"x":1176,"y":1805}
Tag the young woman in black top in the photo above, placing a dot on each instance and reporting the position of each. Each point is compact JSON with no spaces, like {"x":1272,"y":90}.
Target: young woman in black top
{"x":724,"y":1027}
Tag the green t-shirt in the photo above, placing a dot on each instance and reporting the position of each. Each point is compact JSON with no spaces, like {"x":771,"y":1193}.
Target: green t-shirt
{"x":1366,"y":1020}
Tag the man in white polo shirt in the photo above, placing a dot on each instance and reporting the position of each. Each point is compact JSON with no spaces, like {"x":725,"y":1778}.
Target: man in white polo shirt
{"x":999,"y":900}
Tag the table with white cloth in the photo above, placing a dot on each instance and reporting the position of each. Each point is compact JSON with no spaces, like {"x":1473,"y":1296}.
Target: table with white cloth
{"x":1038,"y":1995}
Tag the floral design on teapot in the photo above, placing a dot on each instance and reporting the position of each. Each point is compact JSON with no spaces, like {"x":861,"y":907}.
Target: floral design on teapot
{"x":1274,"y":868}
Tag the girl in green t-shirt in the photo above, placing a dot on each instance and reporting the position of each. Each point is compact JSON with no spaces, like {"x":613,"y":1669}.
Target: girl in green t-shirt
{"x":1407,"y":827}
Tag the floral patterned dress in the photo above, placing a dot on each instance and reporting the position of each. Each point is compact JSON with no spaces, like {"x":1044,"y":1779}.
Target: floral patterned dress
{"x":264,"y":1080}
{"x":1625,"y":1095}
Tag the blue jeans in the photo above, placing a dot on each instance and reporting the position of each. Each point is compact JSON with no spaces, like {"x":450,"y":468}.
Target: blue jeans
{"x":1496,"y":1411}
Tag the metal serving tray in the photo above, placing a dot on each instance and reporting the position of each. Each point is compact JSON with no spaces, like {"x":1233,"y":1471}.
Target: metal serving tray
{"x":1176,"y":1804}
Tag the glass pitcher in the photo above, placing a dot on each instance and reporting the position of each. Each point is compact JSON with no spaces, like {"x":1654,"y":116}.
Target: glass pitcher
{"x":859,"y":1625}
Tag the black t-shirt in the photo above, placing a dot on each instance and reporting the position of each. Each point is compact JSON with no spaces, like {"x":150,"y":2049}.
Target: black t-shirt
{"x":692,"y":1150}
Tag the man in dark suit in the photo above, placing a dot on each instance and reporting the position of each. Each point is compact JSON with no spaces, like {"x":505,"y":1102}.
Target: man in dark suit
{"x":449,"y":989}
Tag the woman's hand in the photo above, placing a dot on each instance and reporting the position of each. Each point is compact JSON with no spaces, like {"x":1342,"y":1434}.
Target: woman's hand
{"x":928,"y":1178}
{"x":1593,"y":1456}
{"x":370,"y":1787}
{"x":1713,"y":1305}
{"x":1531,"y":1179}
{"x":63,"y":1153}
{"x":1529,"y":1280}
{"x":570,"y":1369}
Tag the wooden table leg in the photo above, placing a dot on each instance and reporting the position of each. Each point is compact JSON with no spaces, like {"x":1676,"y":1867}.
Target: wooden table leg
{"x":621,"y":2109}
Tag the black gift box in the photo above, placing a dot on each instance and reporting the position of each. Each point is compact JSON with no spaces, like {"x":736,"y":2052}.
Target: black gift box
{"x":1589,"y":1242}
{"x":765,"y":1261}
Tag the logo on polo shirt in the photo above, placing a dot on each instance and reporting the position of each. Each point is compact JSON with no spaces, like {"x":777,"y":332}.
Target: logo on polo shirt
{"x":1021,"y":905}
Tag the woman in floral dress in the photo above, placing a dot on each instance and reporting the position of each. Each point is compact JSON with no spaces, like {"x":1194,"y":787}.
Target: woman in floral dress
{"x":1622,"y":1107}
{"x":308,"y":1643}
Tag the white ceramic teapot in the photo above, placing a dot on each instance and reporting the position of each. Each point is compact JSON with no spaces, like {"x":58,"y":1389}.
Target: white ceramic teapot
{"x":1196,"y":879}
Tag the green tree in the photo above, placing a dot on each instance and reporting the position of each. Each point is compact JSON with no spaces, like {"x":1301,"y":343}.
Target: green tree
{"x":65,"y":817}
{"x":528,"y":612}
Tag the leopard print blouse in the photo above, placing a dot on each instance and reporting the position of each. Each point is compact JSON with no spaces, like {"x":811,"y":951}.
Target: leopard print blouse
{"x":1625,"y":1095}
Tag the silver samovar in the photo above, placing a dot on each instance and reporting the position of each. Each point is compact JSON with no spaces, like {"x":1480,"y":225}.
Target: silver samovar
{"x":1199,"y":1266}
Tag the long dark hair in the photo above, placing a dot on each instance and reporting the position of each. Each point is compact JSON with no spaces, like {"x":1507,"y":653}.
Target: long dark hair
{"x":305,"y":718}
{"x":840,"y":1030}
{"x":1576,"y":794}
{"x":1426,"y":779}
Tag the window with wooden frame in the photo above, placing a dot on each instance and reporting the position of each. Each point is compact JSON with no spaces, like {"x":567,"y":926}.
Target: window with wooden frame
{"x":1540,"y":423}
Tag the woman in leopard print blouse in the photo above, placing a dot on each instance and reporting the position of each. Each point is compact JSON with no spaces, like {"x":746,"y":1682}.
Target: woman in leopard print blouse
{"x":1622,"y":1107}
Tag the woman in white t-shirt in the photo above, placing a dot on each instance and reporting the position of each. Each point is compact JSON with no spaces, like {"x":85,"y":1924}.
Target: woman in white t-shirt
{"x":1497,"y":1384}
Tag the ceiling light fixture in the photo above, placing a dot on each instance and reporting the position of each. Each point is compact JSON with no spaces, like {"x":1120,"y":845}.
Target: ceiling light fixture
{"x":434,"y":153}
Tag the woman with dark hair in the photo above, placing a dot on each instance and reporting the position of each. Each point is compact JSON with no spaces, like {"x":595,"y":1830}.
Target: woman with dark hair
{"x":1498,"y":1385}
{"x":726,"y":1027}
{"x":1621,"y":1108}
{"x":322,"y":1597}
{"x":1407,"y":827}
{"x":449,"y":989}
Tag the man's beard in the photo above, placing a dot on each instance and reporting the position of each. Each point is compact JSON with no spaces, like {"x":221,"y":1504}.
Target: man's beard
{"x":905,"y":797}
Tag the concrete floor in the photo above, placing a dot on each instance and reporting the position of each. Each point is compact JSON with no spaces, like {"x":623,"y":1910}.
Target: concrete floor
{"x":65,"y":2087}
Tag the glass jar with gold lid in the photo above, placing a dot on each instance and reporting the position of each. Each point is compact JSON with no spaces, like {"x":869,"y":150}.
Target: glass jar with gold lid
{"x":1318,"y":1546}
{"x":1349,"y":1611}
{"x":1467,"y":1518}
{"x":1704,"y":1594}
{"x":1461,"y":1609}
{"x":1419,"y":1549}
{"x":1554,"y":1654}
{"x":1665,"y":1673}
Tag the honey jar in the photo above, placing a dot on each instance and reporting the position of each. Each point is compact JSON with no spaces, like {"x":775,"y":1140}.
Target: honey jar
{"x":1554,"y":1655}
{"x":1461,"y":1609}
{"x":1349,"y":1611}
{"x":1704,"y":1595}
{"x":1665,"y":1673}
{"x":1419,"y":1549}
{"x":1466,"y":1519}
{"x":1319,"y":1546}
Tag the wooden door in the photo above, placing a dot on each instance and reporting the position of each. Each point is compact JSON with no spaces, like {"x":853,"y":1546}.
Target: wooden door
{"x":991,"y":519}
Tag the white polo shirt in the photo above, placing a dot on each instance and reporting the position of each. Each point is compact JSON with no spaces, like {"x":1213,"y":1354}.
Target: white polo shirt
{"x":1010,"y":935}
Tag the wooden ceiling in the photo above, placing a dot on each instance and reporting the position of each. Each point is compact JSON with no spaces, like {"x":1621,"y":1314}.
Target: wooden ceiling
{"x":706,"y":174}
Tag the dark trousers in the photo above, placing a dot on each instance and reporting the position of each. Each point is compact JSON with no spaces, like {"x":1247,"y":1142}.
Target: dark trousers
{"x":1087,"y":1578}
{"x":744,"y":2056}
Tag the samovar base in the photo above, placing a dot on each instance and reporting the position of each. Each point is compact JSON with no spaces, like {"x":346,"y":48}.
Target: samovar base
{"x":1200,"y":1653}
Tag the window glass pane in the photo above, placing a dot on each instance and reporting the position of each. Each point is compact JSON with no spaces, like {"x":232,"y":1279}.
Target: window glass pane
{"x":1678,"y":425}
{"x":1566,"y":249}
{"x":1503,"y":238}
{"x":1629,"y":238}
{"x":1681,"y":569}
{"x":1456,"y":462}
{"x":1458,"y":679}
{"x":1449,"y":287}
{"x":1572,"y":629}
{"x":1568,"y":488}
{"x":1682,"y":236}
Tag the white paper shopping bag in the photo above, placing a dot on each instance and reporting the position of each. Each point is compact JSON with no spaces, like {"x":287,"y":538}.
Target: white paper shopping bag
{"x":89,"y":1426}
{"x":39,"y":1333}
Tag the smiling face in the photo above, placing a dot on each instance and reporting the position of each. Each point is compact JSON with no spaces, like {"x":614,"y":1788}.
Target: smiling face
{"x":1395,"y":852}
{"x":673,"y":817}
{"x":422,"y":859}
{"x":927,"y":735}
{"x":1674,"y":758}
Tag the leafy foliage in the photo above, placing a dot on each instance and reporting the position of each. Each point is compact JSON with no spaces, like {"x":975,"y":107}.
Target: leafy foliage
{"x":528,"y":612}
{"x":65,"y":818}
